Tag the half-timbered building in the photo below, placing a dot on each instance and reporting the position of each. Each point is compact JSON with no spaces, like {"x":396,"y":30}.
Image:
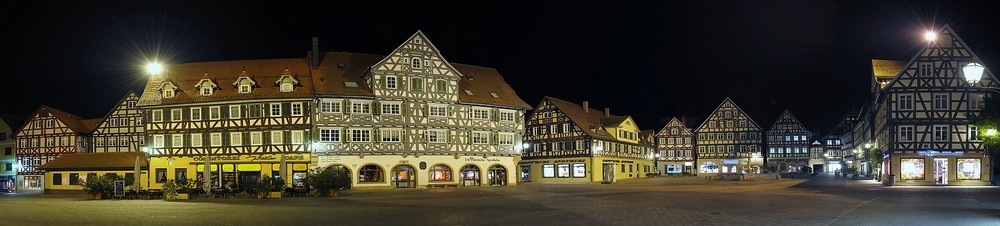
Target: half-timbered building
{"x":413,"y":119}
{"x":568,"y":142}
{"x":675,"y":148}
{"x":833,"y":145}
{"x":48,"y":134}
{"x":243,"y":116}
{"x":121,"y":130}
{"x":729,"y":142}
{"x":8,"y":164}
{"x":923,"y":117}
{"x":788,"y":149}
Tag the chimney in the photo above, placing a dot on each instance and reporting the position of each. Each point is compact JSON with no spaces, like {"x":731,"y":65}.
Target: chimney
{"x":607,"y":112}
{"x":314,"y":54}
{"x":586,"y":107}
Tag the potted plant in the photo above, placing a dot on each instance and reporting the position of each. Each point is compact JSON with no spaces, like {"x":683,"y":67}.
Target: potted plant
{"x":277,"y":185}
{"x":170,"y":190}
{"x":99,"y":186}
{"x":184,"y":189}
{"x":329,"y":182}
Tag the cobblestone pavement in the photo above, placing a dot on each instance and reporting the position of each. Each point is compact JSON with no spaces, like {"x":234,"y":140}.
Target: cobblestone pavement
{"x":821,"y":200}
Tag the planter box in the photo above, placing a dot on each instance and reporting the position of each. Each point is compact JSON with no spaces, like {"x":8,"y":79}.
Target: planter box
{"x":182,"y":197}
{"x":274,"y":195}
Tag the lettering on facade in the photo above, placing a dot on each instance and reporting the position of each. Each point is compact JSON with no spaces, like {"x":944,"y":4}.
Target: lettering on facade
{"x":250,"y":158}
{"x":474,"y":159}
{"x":730,"y":161}
{"x":940,"y":153}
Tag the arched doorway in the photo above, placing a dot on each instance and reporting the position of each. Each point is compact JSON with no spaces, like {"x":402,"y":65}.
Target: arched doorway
{"x":498,"y":175}
{"x":782,"y":167}
{"x":403,"y":176}
{"x":470,"y":175}
{"x":344,"y":169}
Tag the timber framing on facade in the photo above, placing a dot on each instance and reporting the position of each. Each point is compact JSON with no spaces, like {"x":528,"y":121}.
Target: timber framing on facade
{"x":729,"y":142}
{"x":787,"y":145}
{"x":675,"y":146}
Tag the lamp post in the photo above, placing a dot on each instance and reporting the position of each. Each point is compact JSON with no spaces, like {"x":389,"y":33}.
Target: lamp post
{"x":656,"y":163}
{"x":973,"y":73}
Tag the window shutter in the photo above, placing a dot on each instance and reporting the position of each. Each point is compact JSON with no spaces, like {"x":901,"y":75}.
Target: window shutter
{"x":468,"y":138}
{"x":347,"y":106}
{"x":494,"y":115}
{"x":343,"y":136}
{"x":427,"y":109}
{"x":403,"y":108}
{"x":384,"y":84}
{"x":376,"y":108}
{"x":376,"y":136}
{"x":494,"y":139}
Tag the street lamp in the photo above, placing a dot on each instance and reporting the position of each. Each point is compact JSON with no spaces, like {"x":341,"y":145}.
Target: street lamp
{"x":154,"y":68}
{"x":930,"y":36}
{"x":656,"y":163}
{"x":973,"y":72}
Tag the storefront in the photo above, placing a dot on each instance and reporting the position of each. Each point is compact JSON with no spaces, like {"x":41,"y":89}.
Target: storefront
{"x":66,"y":174}
{"x":673,"y":167}
{"x":8,"y":184}
{"x":584,"y":169}
{"x":30,"y":183}
{"x":932,"y":167}
{"x":423,"y":171}
{"x":229,"y":170}
{"x":709,"y":167}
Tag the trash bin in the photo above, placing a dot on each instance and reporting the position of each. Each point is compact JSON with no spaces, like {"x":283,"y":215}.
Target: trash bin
{"x":891,"y":180}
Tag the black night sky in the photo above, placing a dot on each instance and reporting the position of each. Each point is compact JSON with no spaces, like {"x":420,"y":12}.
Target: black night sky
{"x":651,"y":61}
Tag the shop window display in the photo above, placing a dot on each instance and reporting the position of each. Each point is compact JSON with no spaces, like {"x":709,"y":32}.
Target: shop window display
{"x":440,"y":173}
{"x":969,"y":169}
{"x":563,"y":170}
{"x":912,"y":169}
{"x":548,"y":171}
{"x":579,"y":170}
{"x":709,"y":167}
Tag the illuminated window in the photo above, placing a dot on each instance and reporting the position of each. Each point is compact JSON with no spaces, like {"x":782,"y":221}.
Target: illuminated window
{"x":709,"y":167}
{"x":371,"y":173}
{"x":974,"y":133}
{"x":579,"y":170}
{"x":969,"y":169}
{"x":440,"y":173}
{"x":287,"y":87}
{"x":912,"y":169}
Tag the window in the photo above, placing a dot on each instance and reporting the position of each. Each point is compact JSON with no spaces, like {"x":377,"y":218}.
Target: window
{"x":440,"y":173}
{"x":180,"y":174}
{"x":479,"y":113}
{"x":158,"y":141}
{"x":297,"y":136}
{"x":253,"y":111}
{"x":508,"y":116}
{"x":371,"y":173}
{"x":390,"y":82}
{"x":563,"y":170}
{"x":214,"y":113}
{"x":969,"y":168}
{"x":976,"y":102}
{"x":438,"y":110}
{"x":8,"y":151}
{"x":245,"y":88}
{"x":161,"y":175}
{"x":287,"y":87}
{"x":480,"y":137}
{"x":235,"y":139}
{"x":940,"y":101}
{"x":940,"y":133}
{"x":297,"y":109}
{"x":709,"y":167}
{"x":361,"y":135}
{"x":329,"y":106}
{"x":216,"y":139}
{"x":157,"y":115}
{"x":436,"y":136}
{"x":195,"y":140}
{"x":441,"y":86}
{"x":329,"y":135}
{"x":206,"y":91}
{"x":548,"y":171}
{"x":112,"y":122}
{"x":469,"y":92}
{"x":168,"y":93}
{"x":175,"y":115}
{"x":415,"y":63}
{"x":275,"y":110}
{"x":926,"y":69}
{"x":506,"y":139}
{"x":74,"y":179}
{"x":912,"y":169}
{"x":57,"y":179}
{"x":579,"y":170}
{"x":256,"y":138}
{"x":391,"y":135}
{"x":361,"y":107}
{"x":416,"y":84}
{"x":974,"y":133}
{"x":177,"y":140}
{"x":390,"y":108}
{"x":277,"y":137}
{"x":234,"y":112}
{"x":195,"y":114}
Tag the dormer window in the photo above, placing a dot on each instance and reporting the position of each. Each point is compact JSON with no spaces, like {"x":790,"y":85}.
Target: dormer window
{"x":206,"y":87}
{"x":169,"y":93}
{"x":245,"y":84}
{"x":415,"y":63}
{"x":168,"y":90}
{"x":287,"y":82}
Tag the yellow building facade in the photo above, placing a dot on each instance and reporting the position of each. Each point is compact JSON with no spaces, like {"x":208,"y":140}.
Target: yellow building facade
{"x":227,"y":170}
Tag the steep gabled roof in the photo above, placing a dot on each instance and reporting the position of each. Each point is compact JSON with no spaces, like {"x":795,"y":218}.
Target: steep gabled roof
{"x":674,"y":122}
{"x":589,"y":121}
{"x":486,"y":80}
{"x":264,"y":71}
{"x":988,"y":78}
{"x":787,"y":117}
{"x":120,"y":102}
{"x":73,"y":122}
{"x":96,"y":161}
{"x":887,"y":68}
{"x":714,"y":114}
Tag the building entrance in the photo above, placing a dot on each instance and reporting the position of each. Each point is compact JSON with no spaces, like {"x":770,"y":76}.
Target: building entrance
{"x":941,"y":171}
{"x":818,"y":168}
{"x":470,"y":175}
{"x":498,"y":175}
{"x":403,"y":177}
{"x":609,"y":173}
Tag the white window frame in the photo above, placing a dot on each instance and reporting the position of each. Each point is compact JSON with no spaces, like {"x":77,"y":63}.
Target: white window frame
{"x":196,"y":114}
{"x":177,"y":140}
{"x":196,"y":140}
{"x":271,"y":109}
{"x":974,"y":133}
{"x":507,"y":115}
{"x":215,"y":139}
{"x":391,"y":108}
{"x":361,"y":107}
{"x":256,"y":138}
{"x":505,"y":138}
{"x":297,"y":136}
{"x":236,"y":139}
{"x":169,"y":93}
{"x":391,"y":82}
{"x":415,"y":63}
{"x":443,"y":109}
{"x":940,"y":101}
{"x":277,"y":137}
{"x":437,"y":136}
{"x":206,"y":91}
{"x":245,"y":88}
{"x":331,"y":106}
{"x":156,"y":115}
{"x":237,"y":113}
{"x":366,"y":135}
{"x":944,"y":133}
{"x":474,"y":113}
{"x":333,"y":135}
{"x":217,"y":113}
{"x":391,"y":135}
{"x":297,"y":108}
{"x":905,"y":101}
{"x":479,"y":137}
{"x":286,"y":87}
{"x":175,"y":115}
{"x":158,"y":141}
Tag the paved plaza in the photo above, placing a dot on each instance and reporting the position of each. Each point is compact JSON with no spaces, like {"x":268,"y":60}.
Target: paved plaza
{"x":821,"y":200}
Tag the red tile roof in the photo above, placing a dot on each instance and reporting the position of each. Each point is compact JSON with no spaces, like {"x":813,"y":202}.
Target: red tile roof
{"x":96,"y":161}
{"x":264,"y":72}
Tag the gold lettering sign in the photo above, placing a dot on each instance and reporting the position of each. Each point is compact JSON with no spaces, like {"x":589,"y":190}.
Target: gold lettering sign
{"x":251,"y":158}
{"x":475,"y":159}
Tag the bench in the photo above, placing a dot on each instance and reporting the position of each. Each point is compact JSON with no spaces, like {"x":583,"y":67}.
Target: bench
{"x":455,"y":185}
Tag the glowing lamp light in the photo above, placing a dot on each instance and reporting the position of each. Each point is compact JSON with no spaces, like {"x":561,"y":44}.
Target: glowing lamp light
{"x":145,"y":149}
{"x":525,"y":145}
{"x":991,"y":132}
{"x":868,"y":145}
{"x":17,"y":166}
{"x":973,"y":72}
{"x":657,"y":155}
{"x":154,"y":68}
{"x":930,"y":36}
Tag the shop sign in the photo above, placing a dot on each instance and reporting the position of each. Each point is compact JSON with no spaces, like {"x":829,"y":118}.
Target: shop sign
{"x":251,"y":158}
{"x":730,"y":161}
{"x":329,"y":158}
{"x":940,"y":153}
{"x":474,"y":159}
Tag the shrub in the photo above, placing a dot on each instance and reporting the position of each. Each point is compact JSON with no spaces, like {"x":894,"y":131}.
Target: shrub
{"x":269,"y":184}
{"x":104,"y":184}
{"x":327,"y":180}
